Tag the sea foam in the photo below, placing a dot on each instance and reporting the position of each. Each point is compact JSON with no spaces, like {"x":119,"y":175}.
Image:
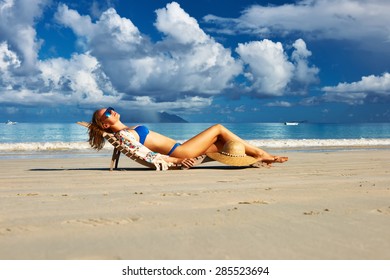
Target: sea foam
{"x":46,"y":146}
{"x":264,"y":143}
{"x":314,"y":143}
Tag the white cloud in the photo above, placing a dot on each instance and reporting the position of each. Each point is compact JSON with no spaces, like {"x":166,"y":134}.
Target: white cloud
{"x":179,"y":26}
{"x":8,"y":59}
{"x":81,"y":77}
{"x":100,"y":6}
{"x":187,"y":103}
{"x":9,"y":62}
{"x":78,"y":80}
{"x":373,"y":88}
{"x":270,"y":69}
{"x":117,"y":59}
{"x":81,"y":25}
{"x":240,"y":109}
{"x":279,"y":104}
{"x":351,"y":98}
{"x":17,"y":19}
{"x":271,"y":72}
{"x":183,"y":62}
{"x":181,"y":71}
{"x":303,"y":72}
{"x":189,"y":60}
{"x":375,"y":84}
{"x":329,"y":19}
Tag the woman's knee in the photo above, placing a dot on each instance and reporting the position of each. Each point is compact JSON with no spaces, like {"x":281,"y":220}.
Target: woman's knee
{"x":219,"y":127}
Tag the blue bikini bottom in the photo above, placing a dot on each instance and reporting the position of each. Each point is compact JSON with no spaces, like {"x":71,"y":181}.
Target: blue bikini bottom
{"x":173,"y":148}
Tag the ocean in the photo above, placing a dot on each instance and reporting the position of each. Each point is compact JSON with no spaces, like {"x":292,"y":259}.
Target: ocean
{"x":69,"y":139}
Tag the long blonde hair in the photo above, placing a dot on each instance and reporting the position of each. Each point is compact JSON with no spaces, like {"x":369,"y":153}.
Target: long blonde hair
{"x":95,"y":131}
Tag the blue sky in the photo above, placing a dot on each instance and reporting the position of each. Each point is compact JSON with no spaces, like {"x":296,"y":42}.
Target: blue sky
{"x":206,"y":60}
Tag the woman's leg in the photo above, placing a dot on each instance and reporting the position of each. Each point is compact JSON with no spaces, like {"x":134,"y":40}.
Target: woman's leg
{"x":212,"y":140}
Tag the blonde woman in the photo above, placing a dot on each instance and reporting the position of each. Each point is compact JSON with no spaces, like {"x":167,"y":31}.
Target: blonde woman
{"x":156,"y":147}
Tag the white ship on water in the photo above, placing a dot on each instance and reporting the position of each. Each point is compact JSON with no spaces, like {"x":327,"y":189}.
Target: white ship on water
{"x":10,"y":122}
{"x":291,"y":123}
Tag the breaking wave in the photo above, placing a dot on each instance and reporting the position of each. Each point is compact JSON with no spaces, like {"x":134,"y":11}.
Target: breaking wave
{"x":266,"y":143}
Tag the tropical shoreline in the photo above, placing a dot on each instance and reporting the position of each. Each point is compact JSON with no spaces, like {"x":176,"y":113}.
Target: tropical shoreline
{"x":75,"y":149}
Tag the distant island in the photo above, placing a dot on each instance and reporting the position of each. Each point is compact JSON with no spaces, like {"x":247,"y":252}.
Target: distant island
{"x":164,"y":117}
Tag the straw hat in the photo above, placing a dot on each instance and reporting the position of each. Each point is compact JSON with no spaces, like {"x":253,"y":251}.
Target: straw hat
{"x":233,"y":153}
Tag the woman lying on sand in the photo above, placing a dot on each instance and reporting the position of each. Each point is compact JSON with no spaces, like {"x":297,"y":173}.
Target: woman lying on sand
{"x":210,"y":140}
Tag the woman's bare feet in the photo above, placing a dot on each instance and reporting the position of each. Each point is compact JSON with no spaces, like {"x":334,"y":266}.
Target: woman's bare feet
{"x":267,"y":162}
{"x":280,"y":159}
{"x":266,"y":157}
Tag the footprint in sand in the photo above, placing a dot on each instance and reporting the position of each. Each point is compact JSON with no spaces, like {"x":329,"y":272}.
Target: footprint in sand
{"x":27,"y":194}
{"x":16,"y":230}
{"x":178,"y":194}
{"x":383,"y":210}
{"x":311,"y":213}
{"x":254,"y":202}
{"x":102,"y":221}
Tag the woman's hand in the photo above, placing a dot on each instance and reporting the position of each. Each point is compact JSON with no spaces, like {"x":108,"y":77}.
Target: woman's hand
{"x":186,"y":162}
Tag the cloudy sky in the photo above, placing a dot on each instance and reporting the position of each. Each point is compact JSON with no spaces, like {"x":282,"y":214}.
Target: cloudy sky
{"x":205,"y":60}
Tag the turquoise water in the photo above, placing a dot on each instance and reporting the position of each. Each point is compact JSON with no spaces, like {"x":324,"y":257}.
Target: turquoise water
{"x":51,"y":132}
{"x":64,"y":139}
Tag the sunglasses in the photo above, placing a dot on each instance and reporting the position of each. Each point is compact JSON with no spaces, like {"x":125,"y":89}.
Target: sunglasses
{"x":107,"y":113}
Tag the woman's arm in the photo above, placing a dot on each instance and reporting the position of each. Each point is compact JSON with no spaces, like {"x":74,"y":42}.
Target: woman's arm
{"x":160,"y":161}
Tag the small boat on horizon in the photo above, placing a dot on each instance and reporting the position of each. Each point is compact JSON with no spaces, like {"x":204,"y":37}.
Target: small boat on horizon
{"x":291,"y":123}
{"x":10,"y":122}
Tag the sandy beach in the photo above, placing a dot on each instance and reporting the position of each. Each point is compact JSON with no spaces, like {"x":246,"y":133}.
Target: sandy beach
{"x":319,"y":205}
